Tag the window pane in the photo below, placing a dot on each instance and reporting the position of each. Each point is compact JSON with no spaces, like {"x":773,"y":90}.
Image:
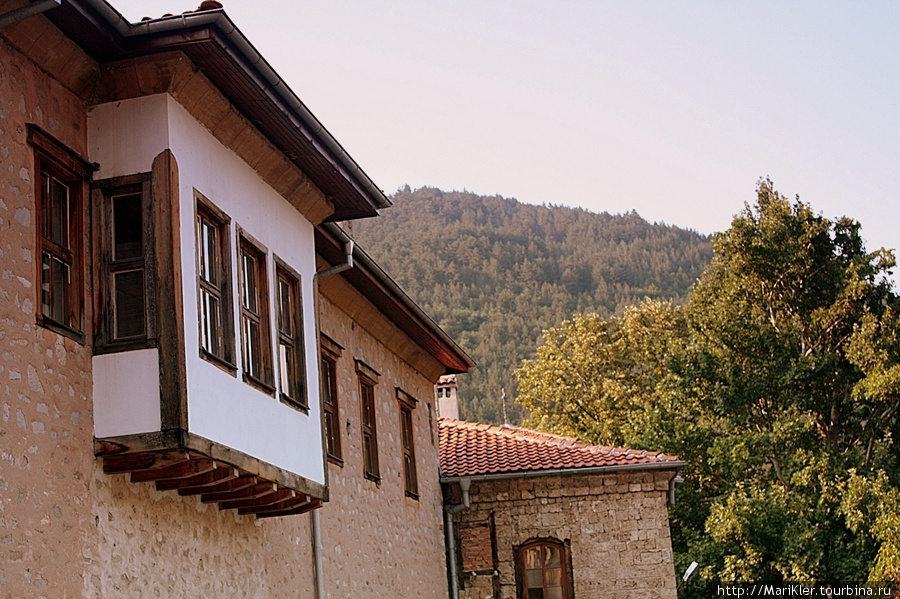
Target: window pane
{"x":248,"y":269}
{"x":537,"y":593}
{"x":128,"y":231}
{"x":286,"y":367}
{"x":553,"y":577}
{"x":129,"y":304}
{"x":286,"y":309}
{"x":554,"y":592}
{"x":46,"y":299}
{"x":551,"y":556}
{"x":209,"y":322}
{"x":60,"y":283}
{"x":207,"y":256}
{"x":59,"y":213}
{"x":533,"y":558}
{"x":251,"y":348}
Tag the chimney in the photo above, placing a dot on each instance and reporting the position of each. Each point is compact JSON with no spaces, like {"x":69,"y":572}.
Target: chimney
{"x":447,"y":400}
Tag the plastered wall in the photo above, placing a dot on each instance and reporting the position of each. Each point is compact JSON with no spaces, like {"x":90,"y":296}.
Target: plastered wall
{"x":616,"y":527}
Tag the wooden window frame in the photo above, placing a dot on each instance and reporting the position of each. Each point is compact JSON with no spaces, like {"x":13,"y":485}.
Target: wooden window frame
{"x":565,"y":556}
{"x":222,"y":353}
{"x":330,"y":353}
{"x":407,"y":443}
{"x":257,"y":370}
{"x":368,"y":380}
{"x":291,"y":355}
{"x":103,"y":196}
{"x":54,"y":161}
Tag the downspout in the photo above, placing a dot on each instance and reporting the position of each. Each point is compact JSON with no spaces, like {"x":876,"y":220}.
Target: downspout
{"x":347,"y":265}
{"x":315,"y":522}
{"x":317,"y":554}
{"x":464,"y":484}
{"x":674,"y":482}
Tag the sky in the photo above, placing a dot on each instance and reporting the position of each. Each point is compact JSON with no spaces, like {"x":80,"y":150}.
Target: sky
{"x":674,"y":109}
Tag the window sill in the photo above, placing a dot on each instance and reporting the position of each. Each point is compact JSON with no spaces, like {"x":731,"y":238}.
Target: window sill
{"x":220,"y":363}
{"x":293,"y":403}
{"x":259,"y":385}
{"x":374,"y":478}
{"x":412,"y":495}
{"x":76,"y":336}
{"x":123,"y":346}
{"x":336,"y":461}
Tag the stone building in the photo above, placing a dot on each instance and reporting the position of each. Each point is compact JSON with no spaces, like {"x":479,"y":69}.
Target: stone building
{"x":535,"y":515}
{"x":205,"y":388}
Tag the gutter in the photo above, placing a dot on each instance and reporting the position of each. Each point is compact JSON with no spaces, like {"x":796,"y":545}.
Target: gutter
{"x":672,"y":465}
{"x":308,"y":123}
{"x":29,"y":10}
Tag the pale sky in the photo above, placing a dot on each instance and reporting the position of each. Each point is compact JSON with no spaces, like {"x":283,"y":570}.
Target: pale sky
{"x":672,"y":108}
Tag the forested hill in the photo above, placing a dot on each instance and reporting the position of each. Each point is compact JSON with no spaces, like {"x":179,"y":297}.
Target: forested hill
{"x":494,"y":273}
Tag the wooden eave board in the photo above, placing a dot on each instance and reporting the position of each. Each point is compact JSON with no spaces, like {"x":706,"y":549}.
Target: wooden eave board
{"x":272,"y":118}
{"x":89,"y":30}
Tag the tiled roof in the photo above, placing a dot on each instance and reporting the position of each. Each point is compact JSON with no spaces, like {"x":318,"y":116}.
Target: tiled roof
{"x":475,"y":449}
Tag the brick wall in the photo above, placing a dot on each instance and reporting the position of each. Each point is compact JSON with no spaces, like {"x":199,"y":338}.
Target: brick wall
{"x":615,"y":525}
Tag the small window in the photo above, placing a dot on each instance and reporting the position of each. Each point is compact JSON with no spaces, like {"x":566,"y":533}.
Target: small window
{"x":291,"y":361}
{"x":543,"y":570}
{"x":410,"y":479}
{"x":367,"y":382}
{"x":59,"y":180}
{"x":331,"y":351}
{"x":256,"y":353}
{"x":214,"y":285}
{"x":122,"y":210}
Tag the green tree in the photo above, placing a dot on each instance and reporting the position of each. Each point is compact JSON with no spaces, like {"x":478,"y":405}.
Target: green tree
{"x":778,"y":382}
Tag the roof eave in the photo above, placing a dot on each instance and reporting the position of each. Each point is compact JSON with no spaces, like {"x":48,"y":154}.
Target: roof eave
{"x":121,"y":39}
{"x":674,"y":465}
{"x":379,"y":288}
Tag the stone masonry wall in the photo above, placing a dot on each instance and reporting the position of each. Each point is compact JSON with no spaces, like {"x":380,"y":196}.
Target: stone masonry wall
{"x":377,"y":541}
{"x":615,"y":525}
{"x":46,"y":458}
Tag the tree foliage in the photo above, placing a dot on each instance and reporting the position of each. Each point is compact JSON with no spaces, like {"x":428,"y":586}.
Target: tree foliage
{"x":494,"y":273}
{"x":778,"y":383}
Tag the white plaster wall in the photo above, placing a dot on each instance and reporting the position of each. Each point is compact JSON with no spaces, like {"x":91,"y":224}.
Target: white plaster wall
{"x":124,"y":137}
{"x":222,"y":407}
{"x":126,"y":393}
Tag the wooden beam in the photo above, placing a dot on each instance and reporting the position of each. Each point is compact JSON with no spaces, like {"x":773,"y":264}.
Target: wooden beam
{"x":218,"y":474}
{"x":279,"y":506}
{"x":267,"y":499}
{"x":241,"y":482}
{"x":180,"y":470}
{"x":307,"y":507}
{"x":245,"y":493}
{"x":129,"y":462}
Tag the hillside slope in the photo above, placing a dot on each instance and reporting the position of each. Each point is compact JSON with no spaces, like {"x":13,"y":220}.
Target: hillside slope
{"x":494,"y":273}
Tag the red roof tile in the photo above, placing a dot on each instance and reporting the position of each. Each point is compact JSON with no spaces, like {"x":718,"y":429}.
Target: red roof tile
{"x":475,"y":449}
